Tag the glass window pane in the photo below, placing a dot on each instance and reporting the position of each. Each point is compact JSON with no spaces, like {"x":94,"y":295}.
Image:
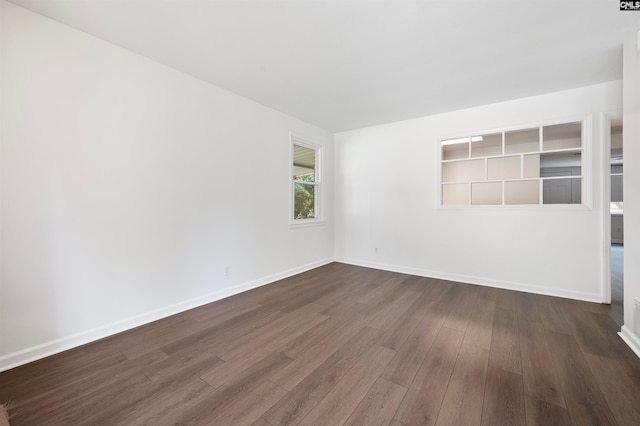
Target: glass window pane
{"x":304,"y":201}
{"x":562,"y":136}
{"x":562,"y":191}
{"x":617,"y":168}
{"x":455,"y":150}
{"x":520,"y":141}
{"x":616,"y":134}
{"x":522,"y":192}
{"x":304,"y":164}
{"x":486,"y":145}
{"x":561,"y":164}
{"x":463,"y":171}
{"x":455,"y":194}
{"x":486,"y":193}
{"x":616,"y":188}
{"x":531,"y":166}
{"x":503,"y":168}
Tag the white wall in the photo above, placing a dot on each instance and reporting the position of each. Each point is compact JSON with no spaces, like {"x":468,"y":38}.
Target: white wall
{"x":631,"y":144}
{"x":127,"y":186}
{"x":386,"y":198}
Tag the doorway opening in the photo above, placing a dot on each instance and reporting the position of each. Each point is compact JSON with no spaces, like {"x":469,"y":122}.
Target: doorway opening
{"x":616,"y":212}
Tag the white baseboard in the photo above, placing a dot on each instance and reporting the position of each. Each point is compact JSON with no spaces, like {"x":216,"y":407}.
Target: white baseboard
{"x":631,"y":339}
{"x":467,"y":279}
{"x":43,"y":350}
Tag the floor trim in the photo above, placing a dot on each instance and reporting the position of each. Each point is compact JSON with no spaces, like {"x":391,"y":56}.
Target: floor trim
{"x":631,"y":339}
{"x":468,"y":279}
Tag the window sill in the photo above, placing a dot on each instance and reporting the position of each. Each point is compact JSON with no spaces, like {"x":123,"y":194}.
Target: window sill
{"x":506,"y":207}
{"x":306,"y":223}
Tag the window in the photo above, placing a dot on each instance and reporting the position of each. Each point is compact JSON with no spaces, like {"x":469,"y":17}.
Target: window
{"x":540,"y":165}
{"x":305,"y":185}
{"x":617,"y":207}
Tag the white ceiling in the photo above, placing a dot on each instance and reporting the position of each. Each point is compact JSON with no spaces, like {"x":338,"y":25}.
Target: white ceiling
{"x":345,"y":64}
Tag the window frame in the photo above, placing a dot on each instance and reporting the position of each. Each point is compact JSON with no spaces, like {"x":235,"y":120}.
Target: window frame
{"x":305,"y":142}
{"x":586,"y":165}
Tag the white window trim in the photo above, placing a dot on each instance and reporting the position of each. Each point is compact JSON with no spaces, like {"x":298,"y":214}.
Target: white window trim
{"x":587,"y":173}
{"x":295,"y":139}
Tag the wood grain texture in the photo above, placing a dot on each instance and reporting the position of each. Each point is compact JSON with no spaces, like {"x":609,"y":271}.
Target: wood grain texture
{"x":584,"y":398}
{"x":410,"y":356}
{"x":503,"y":399}
{"x":341,"y":401}
{"x":422,"y":402}
{"x":379,"y":404}
{"x":308,"y":393}
{"x":609,"y":328}
{"x":619,"y":390}
{"x":480,"y":327}
{"x":462,"y":404}
{"x":544,"y":414}
{"x":540,"y":379}
{"x":505,"y":341}
{"x":340,"y":345}
{"x":462,"y":307}
{"x":249,"y":408}
{"x":225,"y":400}
{"x":551,"y":313}
{"x":584,"y":329}
{"x":315,"y":355}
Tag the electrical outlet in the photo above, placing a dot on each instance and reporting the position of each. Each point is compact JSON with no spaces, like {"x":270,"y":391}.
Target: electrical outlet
{"x":227,"y":270}
{"x":376,"y":250}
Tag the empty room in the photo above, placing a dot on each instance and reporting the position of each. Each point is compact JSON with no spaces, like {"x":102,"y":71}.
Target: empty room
{"x":218,"y":212}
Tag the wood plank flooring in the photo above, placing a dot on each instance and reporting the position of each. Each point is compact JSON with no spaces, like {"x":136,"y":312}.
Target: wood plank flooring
{"x":346,"y":345}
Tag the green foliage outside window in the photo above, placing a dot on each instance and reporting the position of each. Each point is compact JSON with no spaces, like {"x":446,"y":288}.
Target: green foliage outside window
{"x":304,"y":199}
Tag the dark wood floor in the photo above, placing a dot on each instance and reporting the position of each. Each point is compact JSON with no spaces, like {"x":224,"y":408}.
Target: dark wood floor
{"x":346,"y":345}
